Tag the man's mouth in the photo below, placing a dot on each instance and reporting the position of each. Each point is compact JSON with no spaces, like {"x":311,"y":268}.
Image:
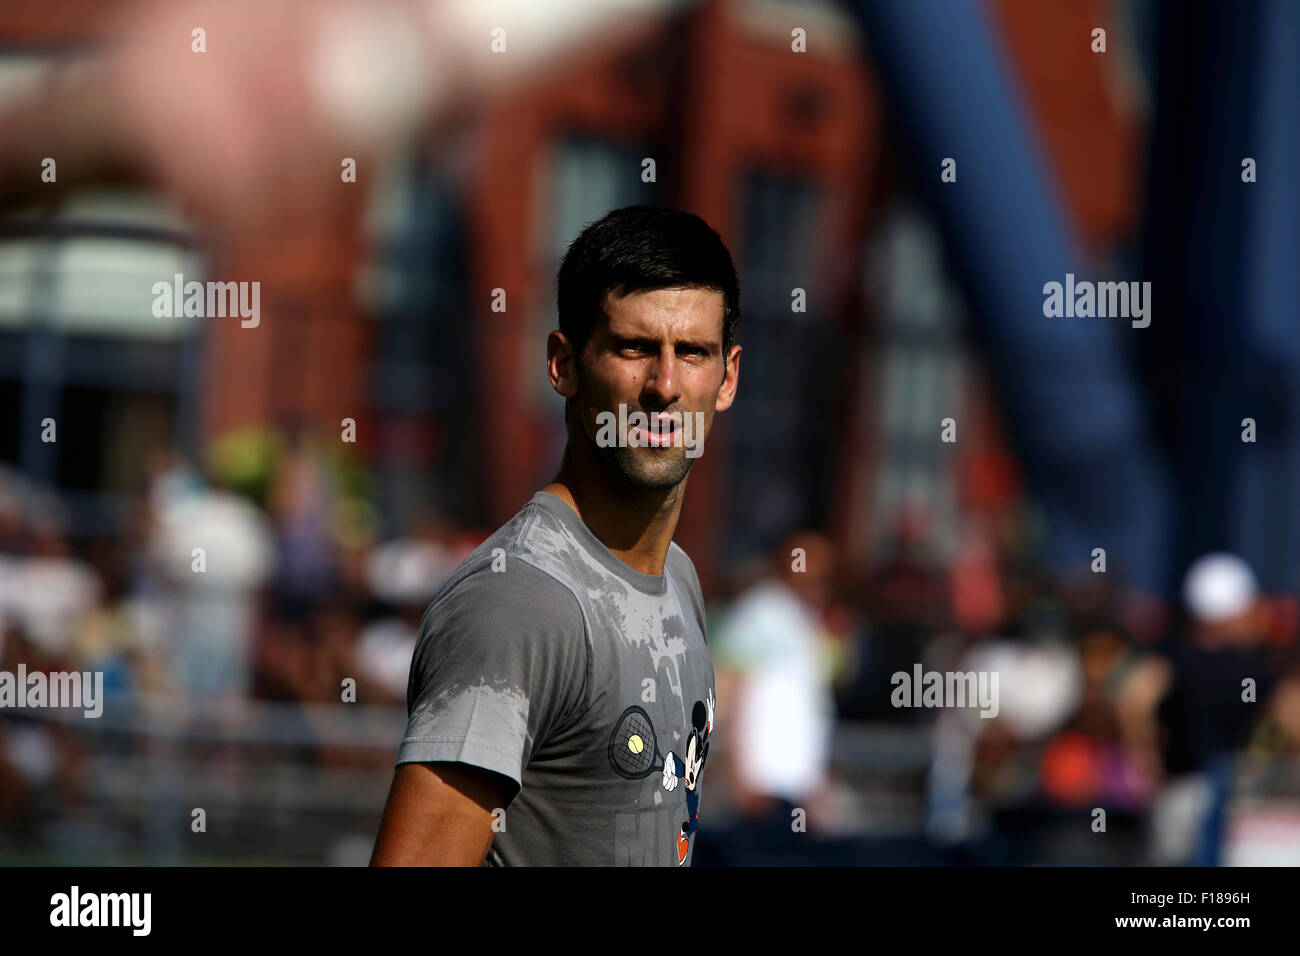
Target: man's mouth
{"x":663,"y":430}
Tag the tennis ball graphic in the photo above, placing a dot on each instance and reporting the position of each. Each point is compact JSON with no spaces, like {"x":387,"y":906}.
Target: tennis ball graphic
{"x":635,"y":743}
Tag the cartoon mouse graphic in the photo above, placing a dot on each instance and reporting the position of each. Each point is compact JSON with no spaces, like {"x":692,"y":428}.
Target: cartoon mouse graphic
{"x":688,"y":769}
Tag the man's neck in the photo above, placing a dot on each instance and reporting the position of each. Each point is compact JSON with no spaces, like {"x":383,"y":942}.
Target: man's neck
{"x":636,"y":524}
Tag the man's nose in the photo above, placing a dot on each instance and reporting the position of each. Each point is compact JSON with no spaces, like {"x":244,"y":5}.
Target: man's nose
{"x":661,"y":380}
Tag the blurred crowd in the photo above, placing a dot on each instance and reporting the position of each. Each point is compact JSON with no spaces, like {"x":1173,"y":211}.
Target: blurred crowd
{"x":264,"y":576}
{"x":1108,"y":700}
{"x":256,"y":577}
{"x":220,"y":589}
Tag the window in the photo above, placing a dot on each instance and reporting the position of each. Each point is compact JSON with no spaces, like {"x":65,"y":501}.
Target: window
{"x":79,"y":342}
{"x":919,"y":372}
{"x":785,"y":422}
{"x":424,"y":385}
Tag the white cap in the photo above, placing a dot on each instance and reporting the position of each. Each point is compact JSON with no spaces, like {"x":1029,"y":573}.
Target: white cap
{"x":1218,"y":586}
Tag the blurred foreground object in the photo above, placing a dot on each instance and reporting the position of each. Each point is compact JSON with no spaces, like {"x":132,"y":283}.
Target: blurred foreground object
{"x":250,"y":111}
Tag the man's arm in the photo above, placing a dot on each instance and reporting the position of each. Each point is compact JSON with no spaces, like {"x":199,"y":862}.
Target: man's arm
{"x":500,"y":663}
{"x":438,"y":814}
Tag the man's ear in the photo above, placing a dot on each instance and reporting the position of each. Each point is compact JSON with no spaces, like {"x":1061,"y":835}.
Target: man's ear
{"x":561,"y":365}
{"x":730,"y":381}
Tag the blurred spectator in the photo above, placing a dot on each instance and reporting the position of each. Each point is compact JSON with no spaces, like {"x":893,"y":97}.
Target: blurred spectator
{"x":771,"y":654}
{"x":40,"y":761}
{"x":215,"y":549}
{"x":113,"y":637}
{"x":48,"y":589}
{"x":404,"y":574}
{"x":1208,"y":710}
{"x":300,"y":502}
{"x":900,"y":604}
{"x":1104,"y":756}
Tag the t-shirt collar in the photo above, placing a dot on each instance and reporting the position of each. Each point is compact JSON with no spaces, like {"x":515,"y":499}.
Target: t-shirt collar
{"x":656,"y":584}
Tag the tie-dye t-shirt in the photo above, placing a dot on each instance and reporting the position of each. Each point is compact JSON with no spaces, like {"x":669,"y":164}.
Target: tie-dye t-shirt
{"x":545,"y":659}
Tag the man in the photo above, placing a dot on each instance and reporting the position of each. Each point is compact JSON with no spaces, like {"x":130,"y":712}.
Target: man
{"x":1205,"y":711}
{"x":561,"y":694}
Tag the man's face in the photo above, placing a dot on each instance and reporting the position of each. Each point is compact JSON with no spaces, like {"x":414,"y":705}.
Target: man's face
{"x":659,"y":355}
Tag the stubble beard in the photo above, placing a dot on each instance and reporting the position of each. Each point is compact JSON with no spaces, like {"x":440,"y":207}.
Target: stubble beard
{"x":647,"y":469}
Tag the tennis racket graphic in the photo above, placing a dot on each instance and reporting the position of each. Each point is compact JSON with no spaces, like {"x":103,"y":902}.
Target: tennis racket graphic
{"x":633,"y":749}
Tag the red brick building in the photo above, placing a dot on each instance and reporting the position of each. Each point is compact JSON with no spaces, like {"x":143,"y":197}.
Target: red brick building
{"x":782,"y":152}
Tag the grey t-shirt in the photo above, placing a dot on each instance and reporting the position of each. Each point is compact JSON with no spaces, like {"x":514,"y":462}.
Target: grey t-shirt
{"x":586,"y":683}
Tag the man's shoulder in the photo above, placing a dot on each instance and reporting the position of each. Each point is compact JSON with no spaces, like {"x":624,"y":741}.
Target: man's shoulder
{"x":680,"y":566}
{"x":681,"y":569}
{"x":505,"y":573}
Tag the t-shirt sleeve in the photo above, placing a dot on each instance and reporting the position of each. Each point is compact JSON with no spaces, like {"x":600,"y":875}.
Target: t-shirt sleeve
{"x":501,"y":661}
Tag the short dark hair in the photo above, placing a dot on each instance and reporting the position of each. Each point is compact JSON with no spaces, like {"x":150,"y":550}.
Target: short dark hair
{"x":637,"y":249}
